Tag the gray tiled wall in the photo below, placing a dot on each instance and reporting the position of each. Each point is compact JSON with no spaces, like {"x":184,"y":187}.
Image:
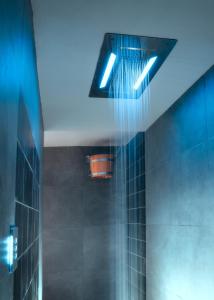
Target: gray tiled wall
{"x":18,"y":80}
{"x":27,"y":211}
{"x":129,"y":195}
{"x":179,"y":197}
{"x":78,"y":223}
{"x":136,"y":232}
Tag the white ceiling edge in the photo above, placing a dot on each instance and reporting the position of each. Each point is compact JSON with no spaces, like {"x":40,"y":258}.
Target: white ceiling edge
{"x":71,"y":138}
{"x":66,"y":70}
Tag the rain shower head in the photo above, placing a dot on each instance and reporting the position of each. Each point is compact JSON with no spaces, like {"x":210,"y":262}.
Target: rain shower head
{"x":138,"y":58}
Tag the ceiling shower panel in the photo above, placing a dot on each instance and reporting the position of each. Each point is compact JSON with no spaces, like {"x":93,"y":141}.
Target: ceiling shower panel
{"x":139,"y":58}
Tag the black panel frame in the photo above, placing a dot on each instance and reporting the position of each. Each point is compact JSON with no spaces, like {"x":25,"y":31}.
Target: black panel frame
{"x":153,"y":46}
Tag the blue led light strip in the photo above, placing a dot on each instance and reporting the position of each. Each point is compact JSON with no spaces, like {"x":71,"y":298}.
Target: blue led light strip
{"x":10,"y":250}
{"x":145,"y":72}
{"x":108,"y":70}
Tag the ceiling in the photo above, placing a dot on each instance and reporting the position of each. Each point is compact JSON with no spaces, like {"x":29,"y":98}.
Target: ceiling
{"x":68,"y":37}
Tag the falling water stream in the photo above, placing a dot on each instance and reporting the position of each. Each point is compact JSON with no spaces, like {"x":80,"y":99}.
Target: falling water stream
{"x":129,"y":115}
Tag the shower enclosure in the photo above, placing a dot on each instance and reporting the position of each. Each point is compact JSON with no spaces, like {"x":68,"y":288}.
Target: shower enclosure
{"x":162,"y":183}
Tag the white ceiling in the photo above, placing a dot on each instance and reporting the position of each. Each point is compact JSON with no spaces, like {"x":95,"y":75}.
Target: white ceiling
{"x":69,"y":35}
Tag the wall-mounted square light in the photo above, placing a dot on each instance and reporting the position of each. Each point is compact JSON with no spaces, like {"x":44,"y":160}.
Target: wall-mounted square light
{"x":144,"y":54}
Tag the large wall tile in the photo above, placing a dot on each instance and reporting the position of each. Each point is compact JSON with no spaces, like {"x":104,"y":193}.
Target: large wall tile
{"x":63,"y":285}
{"x":59,"y":246}
{"x":180,"y":262}
{"x":78,"y":242}
{"x":182,"y":127}
{"x":63,"y":207}
{"x":98,"y":203}
{"x":179,"y":198}
{"x":98,"y":250}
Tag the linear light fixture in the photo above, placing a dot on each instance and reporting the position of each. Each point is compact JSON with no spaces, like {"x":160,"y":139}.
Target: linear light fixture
{"x":108,"y":70}
{"x":145,"y":72}
{"x":10,"y":251}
